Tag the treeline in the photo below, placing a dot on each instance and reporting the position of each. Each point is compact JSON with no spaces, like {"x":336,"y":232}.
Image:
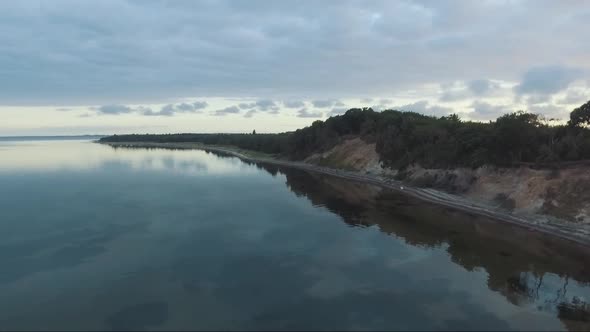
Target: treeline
{"x":268,"y":143}
{"x":405,"y":138}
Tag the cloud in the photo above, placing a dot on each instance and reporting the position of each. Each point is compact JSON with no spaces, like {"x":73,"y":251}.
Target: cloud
{"x":454,"y":95}
{"x":482,"y":87}
{"x":79,"y":54}
{"x":424,"y":107}
{"x":469,"y":89}
{"x":227,"y":110}
{"x":166,"y":110}
{"x":192,"y":107}
{"x":199,"y":105}
{"x":538,"y":99}
{"x":261,"y":105}
{"x":267,"y":105}
{"x":184,"y":107}
{"x":547,"y":80}
{"x":366,"y":100}
{"x":304,"y":113}
{"x":246,"y":106}
{"x":173,"y":109}
{"x":486,"y":111}
{"x":293,"y":104}
{"x":112,"y":109}
{"x":63,"y":109}
{"x":326,"y":103}
{"x":575,"y":97}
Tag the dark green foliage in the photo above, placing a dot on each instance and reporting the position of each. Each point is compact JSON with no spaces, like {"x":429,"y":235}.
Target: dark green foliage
{"x":268,"y":143}
{"x":406,"y":138}
{"x":580,"y":116}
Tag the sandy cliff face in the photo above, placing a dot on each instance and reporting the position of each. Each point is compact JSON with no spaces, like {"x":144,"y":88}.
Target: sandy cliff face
{"x":563,"y":193}
{"x":353,"y":154}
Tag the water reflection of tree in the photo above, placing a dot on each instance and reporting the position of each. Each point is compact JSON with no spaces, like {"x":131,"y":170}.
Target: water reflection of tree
{"x":516,"y":263}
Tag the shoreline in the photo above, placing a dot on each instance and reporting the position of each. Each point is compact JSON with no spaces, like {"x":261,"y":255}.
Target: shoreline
{"x":554,"y":229}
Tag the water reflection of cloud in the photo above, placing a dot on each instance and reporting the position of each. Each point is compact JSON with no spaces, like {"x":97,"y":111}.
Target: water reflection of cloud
{"x":62,"y":250}
{"x":268,"y":259}
{"x":85,"y":155}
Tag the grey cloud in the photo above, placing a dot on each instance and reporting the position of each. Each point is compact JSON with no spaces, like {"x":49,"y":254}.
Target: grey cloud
{"x":464,"y":90}
{"x":80,"y":54}
{"x":166,"y":110}
{"x":63,"y":109}
{"x":304,"y":113}
{"x":326,"y":103}
{"x":227,"y":110}
{"x":266,"y":105}
{"x":293,"y":104}
{"x":185,"y":107}
{"x":250,"y":113}
{"x":424,"y":107}
{"x":486,"y":111}
{"x":199,"y":105}
{"x":366,"y":100}
{"x":454,"y":95}
{"x":547,"y":80}
{"x":262,"y":105}
{"x":112,"y":109}
{"x":192,"y":107}
{"x":173,"y":109}
{"x":246,"y":106}
{"x":482,"y":87}
{"x":574,"y":97}
{"x":385,"y":101}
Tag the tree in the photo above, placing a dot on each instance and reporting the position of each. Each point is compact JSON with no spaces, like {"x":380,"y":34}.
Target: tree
{"x":580,"y":116}
{"x":254,"y":132}
{"x":516,"y":136}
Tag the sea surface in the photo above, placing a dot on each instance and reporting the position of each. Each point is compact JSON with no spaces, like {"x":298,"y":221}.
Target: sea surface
{"x":98,"y":238}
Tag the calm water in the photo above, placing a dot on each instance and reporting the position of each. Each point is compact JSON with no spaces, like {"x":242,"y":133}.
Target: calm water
{"x":93,"y":237}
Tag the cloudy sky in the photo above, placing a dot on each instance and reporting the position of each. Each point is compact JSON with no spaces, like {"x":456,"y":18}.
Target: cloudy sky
{"x":120,"y":66}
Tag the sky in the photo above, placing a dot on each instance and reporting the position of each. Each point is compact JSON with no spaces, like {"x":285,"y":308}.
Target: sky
{"x":146,"y":66}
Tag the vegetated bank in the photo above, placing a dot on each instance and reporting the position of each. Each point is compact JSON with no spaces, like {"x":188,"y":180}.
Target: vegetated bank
{"x":521,"y":162}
